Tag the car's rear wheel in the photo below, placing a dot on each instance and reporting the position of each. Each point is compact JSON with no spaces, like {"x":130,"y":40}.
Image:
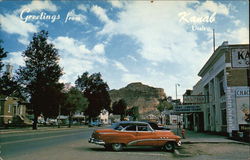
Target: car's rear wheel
{"x":117,"y":147}
{"x":169,"y":146}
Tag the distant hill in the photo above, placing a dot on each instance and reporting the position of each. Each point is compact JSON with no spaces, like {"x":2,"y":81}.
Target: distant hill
{"x":138,"y":94}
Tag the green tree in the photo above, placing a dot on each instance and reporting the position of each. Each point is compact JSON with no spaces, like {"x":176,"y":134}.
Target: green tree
{"x":96,"y":91}
{"x":120,"y":108}
{"x":133,"y":112}
{"x":3,"y":54}
{"x":164,"y":104}
{"x":8,"y":84}
{"x":40,"y":76}
{"x":74,"y":101}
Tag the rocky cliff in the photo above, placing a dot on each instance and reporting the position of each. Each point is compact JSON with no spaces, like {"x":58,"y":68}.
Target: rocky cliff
{"x":138,"y":94}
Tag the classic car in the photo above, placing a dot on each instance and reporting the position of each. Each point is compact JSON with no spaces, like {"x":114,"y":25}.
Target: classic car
{"x":95,"y":123}
{"x":131,"y":133}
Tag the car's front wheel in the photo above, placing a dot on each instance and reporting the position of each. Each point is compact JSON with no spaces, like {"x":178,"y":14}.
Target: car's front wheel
{"x":169,"y":146}
{"x":117,"y":147}
{"x":108,"y":147}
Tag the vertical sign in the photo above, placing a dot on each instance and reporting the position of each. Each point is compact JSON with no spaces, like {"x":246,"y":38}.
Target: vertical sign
{"x":242,"y":104}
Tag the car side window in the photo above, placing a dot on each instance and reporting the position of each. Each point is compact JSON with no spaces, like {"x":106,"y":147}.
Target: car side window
{"x":130,"y":128}
{"x":143,"y":128}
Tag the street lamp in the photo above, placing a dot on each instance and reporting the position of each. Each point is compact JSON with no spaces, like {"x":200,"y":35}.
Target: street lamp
{"x":176,"y":85}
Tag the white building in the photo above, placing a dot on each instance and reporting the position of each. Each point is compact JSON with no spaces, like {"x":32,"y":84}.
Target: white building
{"x":225,"y":84}
{"x":104,"y":116}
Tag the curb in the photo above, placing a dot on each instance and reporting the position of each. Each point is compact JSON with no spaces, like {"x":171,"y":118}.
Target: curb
{"x":181,"y":154}
{"x":194,"y":142}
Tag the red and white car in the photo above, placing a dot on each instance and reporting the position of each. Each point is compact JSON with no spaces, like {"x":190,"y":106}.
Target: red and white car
{"x":131,"y":133}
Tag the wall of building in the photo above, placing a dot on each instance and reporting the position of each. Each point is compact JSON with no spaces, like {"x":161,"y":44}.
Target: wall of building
{"x":10,"y":108}
{"x":221,"y":78}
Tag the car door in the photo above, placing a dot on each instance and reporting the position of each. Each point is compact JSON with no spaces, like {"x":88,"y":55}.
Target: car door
{"x":128,"y":134}
{"x":145,"y":136}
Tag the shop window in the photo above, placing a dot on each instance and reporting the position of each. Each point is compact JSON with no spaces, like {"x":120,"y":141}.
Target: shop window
{"x":9,"y":108}
{"x":222,"y":92}
{"x":224,"y":116}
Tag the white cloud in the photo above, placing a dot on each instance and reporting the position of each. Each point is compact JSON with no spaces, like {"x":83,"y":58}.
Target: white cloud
{"x":163,"y":41}
{"x":39,"y":5}
{"x":129,"y":78}
{"x":236,"y":36}
{"x":120,"y":66}
{"x":117,"y":3}
{"x":156,"y":27}
{"x":77,"y":58}
{"x":132,"y":58}
{"x":98,"y":49}
{"x":82,"y":7}
{"x":100,"y":13}
{"x":14,"y":25}
{"x":71,"y":46}
{"x":237,"y":22}
{"x":15,"y":58}
{"x":240,"y":35}
{"x":214,"y":7}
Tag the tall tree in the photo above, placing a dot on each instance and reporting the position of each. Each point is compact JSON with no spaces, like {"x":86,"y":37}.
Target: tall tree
{"x":120,"y":108}
{"x":40,"y":76}
{"x":96,"y":91}
{"x":3,"y":54}
{"x":74,"y":101}
{"x":8,"y":85}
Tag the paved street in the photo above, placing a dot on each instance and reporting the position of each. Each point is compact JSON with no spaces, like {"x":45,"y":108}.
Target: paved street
{"x":66,"y":144}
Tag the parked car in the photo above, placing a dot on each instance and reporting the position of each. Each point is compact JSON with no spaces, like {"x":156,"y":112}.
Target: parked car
{"x":131,"y":133}
{"x":95,"y":123}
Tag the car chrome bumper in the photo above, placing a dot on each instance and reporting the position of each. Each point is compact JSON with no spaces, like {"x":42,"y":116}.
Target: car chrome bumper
{"x":178,"y":143}
{"x":96,"y":141}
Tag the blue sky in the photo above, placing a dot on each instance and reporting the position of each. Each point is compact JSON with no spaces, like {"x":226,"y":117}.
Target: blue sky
{"x":159,"y":44}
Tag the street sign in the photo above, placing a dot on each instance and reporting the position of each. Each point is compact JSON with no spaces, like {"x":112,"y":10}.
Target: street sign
{"x":194,"y":99}
{"x":187,"y":108}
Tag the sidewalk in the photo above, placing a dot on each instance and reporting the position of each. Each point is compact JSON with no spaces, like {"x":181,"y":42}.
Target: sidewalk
{"x":198,"y":137}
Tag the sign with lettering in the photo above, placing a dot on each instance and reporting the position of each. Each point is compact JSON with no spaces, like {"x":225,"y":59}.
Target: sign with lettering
{"x":244,"y":127}
{"x":243,"y":92}
{"x":194,"y":99}
{"x":240,"y":58}
{"x":187,"y":108}
{"x":242,"y":105}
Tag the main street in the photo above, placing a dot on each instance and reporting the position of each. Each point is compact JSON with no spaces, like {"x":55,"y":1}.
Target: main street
{"x":71,"y":144}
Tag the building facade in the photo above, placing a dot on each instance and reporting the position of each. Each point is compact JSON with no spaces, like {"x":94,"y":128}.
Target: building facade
{"x":225,"y":81}
{"x":11,"y":109}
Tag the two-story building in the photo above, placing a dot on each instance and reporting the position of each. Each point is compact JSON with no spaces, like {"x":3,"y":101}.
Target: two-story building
{"x":12,"y":110}
{"x":225,"y":81}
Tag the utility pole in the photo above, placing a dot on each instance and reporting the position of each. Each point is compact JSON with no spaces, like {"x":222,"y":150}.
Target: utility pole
{"x":176,"y":85}
{"x":59,"y":116}
{"x":213,"y":40}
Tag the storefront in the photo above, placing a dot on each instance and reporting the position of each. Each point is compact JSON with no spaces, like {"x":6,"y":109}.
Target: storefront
{"x":225,"y":83}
